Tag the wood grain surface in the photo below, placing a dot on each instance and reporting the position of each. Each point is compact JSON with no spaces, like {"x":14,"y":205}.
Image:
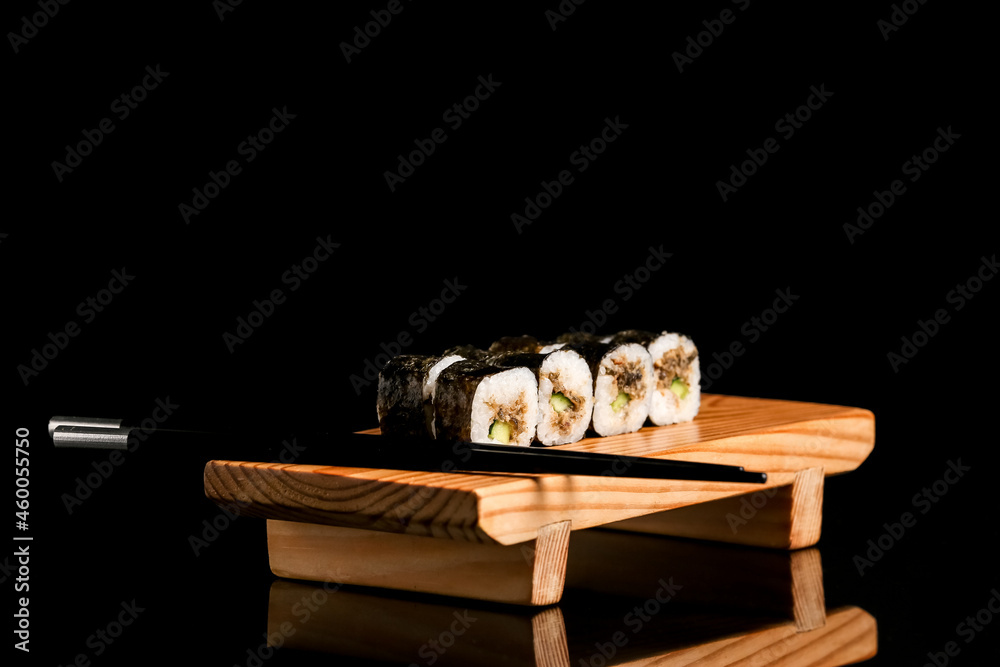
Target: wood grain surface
{"x":775,"y":436}
{"x":532,"y":573}
{"x":850,"y":635}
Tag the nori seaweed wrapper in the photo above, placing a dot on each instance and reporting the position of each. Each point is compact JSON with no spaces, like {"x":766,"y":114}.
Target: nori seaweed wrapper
{"x":516,"y":344}
{"x":635,"y":336}
{"x":530,"y":360}
{"x":467,"y":352}
{"x":457,"y":386}
{"x":400,"y":404}
{"x":578,"y":338}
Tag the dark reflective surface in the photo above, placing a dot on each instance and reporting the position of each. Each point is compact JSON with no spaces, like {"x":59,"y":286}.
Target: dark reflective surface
{"x":675,"y":601}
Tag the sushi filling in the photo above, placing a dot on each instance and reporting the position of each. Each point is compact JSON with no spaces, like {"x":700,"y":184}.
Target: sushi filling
{"x":680,"y":388}
{"x":509,"y":420}
{"x":620,"y":401}
{"x":630,"y":380}
{"x":500,"y":431}
{"x":673,"y":372}
{"x":560,"y":403}
{"x":564,"y":402}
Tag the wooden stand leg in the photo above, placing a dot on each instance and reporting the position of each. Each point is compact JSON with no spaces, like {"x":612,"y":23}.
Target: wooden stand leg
{"x":808,"y":598}
{"x":528,"y":574}
{"x":786,"y":517}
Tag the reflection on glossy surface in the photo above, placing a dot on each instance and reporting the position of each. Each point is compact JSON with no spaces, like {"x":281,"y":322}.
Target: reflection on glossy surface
{"x":630,"y":600}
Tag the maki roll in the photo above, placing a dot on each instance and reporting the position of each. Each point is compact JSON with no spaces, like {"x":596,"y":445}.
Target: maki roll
{"x":623,"y":385}
{"x":476,"y":401}
{"x":406,"y":387}
{"x":565,"y":392}
{"x":678,"y":375}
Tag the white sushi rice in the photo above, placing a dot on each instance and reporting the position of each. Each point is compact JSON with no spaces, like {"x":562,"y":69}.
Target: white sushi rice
{"x":667,"y":407}
{"x":512,"y":392}
{"x":631,"y":416}
{"x":573,"y":379}
{"x":430,"y":386}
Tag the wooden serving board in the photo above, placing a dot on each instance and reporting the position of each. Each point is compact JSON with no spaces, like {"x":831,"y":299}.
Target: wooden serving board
{"x":782,"y":438}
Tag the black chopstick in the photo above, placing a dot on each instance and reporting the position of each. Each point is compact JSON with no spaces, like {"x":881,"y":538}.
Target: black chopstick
{"x":379,"y":451}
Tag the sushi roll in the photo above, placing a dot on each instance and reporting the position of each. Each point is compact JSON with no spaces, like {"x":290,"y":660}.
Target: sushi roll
{"x":623,"y":385}
{"x":678,"y":375}
{"x":406,"y":387}
{"x":476,"y":401}
{"x":565,"y":392}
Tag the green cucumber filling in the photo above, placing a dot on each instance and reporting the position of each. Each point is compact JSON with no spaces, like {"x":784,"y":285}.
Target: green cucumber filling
{"x":500,"y":431}
{"x":559,"y":402}
{"x":679,"y":387}
{"x":620,"y":401}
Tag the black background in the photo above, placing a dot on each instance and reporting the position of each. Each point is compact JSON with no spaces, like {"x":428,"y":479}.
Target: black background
{"x":655,"y":186}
